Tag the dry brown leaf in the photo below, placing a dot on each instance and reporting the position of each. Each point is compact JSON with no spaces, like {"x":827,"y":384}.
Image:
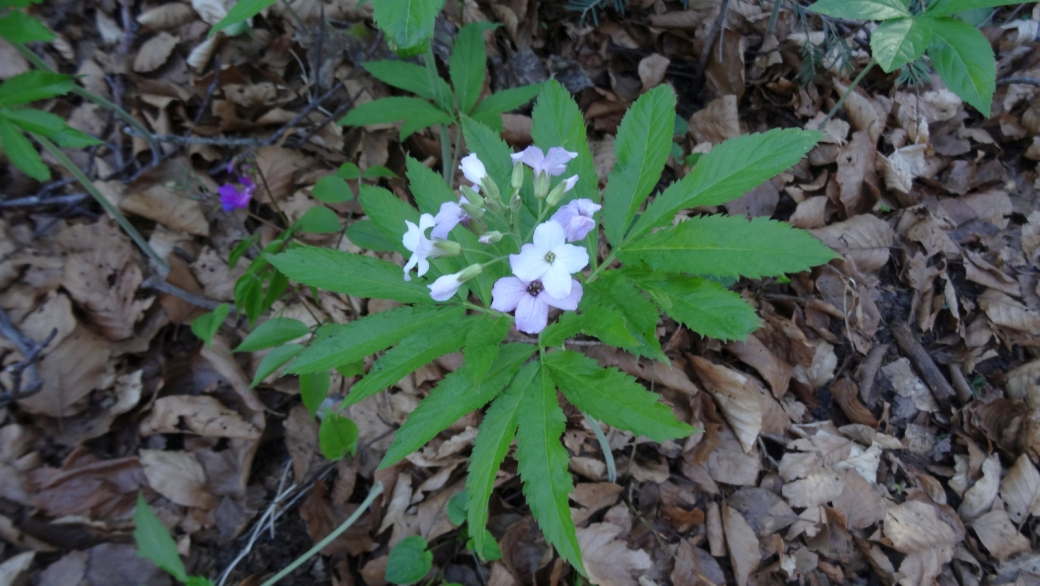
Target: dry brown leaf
{"x":810,"y":213}
{"x":863,"y":240}
{"x":730,"y":464}
{"x":166,"y":16}
{"x":87,"y":487}
{"x":742,"y":544}
{"x":821,"y":371}
{"x":322,"y":517}
{"x":210,"y":11}
{"x":70,"y":372}
{"x":696,"y":567}
{"x":724,"y":74}
{"x":993,"y":206}
{"x":847,"y":395}
{"x":754,"y":353}
{"x":278,"y":166}
{"x":1023,"y":384}
{"x":863,"y":112}
{"x":907,"y":384}
{"x":170,"y":207}
{"x":593,"y":497}
{"x":979,"y":497}
{"x":916,"y":529}
{"x":858,"y":502}
{"x":903,"y":166}
{"x":1020,"y":490}
{"x":856,"y":176}
{"x":1008,"y":313}
{"x":819,"y":487}
{"x":979,"y":271}
{"x":110,"y":31}
{"x":14,"y":569}
{"x":718,"y":121}
{"x":763,"y":510}
{"x":608,"y":560}
{"x":999,"y":535}
{"x":201,"y":414}
{"x":178,"y":476}
{"x":738,"y":397}
{"x":154,"y":52}
{"x":652,"y":69}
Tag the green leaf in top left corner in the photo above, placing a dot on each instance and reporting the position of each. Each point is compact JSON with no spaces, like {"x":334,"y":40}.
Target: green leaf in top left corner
{"x":19,"y":27}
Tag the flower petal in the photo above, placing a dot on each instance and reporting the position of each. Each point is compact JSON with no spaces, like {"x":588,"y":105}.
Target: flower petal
{"x":424,"y":265}
{"x":569,"y":302}
{"x":557,"y":281}
{"x":507,"y":293}
{"x":530,"y":264}
{"x":447,"y":218}
{"x":579,"y":227}
{"x":531,"y":315}
{"x":445,"y":287}
{"x":473,"y":168}
{"x":568,"y":183}
{"x":532,"y":157}
{"x":412,"y":237}
{"x":426,"y":222}
{"x":586,"y":207}
{"x":571,"y":258}
{"x":548,"y":236}
{"x":555,"y":161}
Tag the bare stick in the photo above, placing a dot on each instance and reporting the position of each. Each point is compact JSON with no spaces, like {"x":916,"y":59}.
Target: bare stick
{"x":716,"y":34}
{"x":1019,"y":80}
{"x":30,"y":351}
{"x":924,"y":364}
{"x":161,"y":285}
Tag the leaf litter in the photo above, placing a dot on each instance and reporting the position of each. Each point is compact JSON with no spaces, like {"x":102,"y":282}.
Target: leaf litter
{"x":827,"y":455}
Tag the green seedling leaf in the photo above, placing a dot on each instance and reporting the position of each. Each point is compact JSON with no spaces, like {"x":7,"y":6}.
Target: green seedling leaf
{"x":703,"y":306}
{"x":242,"y":11}
{"x":497,"y":431}
{"x":428,"y":187}
{"x":249,"y":296}
{"x":318,"y":220}
{"x":275,"y":331}
{"x":416,"y":112}
{"x":964,"y":60}
{"x":642,"y":146}
{"x":206,"y":325}
{"x":18,"y":27}
{"x":349,"y":273}
{"x":951,"y":7}
{"x":467,"y":65}
{"x":35,"y":121}
{"x":356,"y":368}
{"x":337,"y":344}
{"x":727,"y":246}
{"x":457,"y":508}
{"x":507,"y":100}
{"x":240,"y":249}
{"x":727,"y":172}
{"x":348,"y":171}
{"x":337,"y":436}
{"x":613,"y":397}
{"x":365,"y":234}
{"x":455,"y":396}
{"x":274,"y":360}
{"x":490,"y":550}
{"x":559,"y":122}
{"x":409,"y":560}
{"x":314,"y":387}
{"x":154,"y":542}
{"x":21,"y":152}
{"x":862,"y":9}
{"x":543,"y":462}
{"x":33,"y":85}
{"x":407,"y":76}
{"x":898,"y":42}
{"x":198,"y":581}
{"x":376,"y":171}
{"x":333,"y":189}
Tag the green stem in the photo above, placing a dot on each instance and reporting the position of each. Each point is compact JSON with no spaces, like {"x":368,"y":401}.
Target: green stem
{"x":602,"y":265}
{"x":104,"y":103}
{"x":377,"y":489}
{"x":848,"y":92}
{"x":447,"y":168}
{"x":604,"y":445}
{"x":57,"y":153}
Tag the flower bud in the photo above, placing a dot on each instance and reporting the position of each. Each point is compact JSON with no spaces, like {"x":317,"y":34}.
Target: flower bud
{"x":490,"y":188}
{"x":447,"y":248}
{"x":474,"y":211}
{"x":556,"y":194}
{"x":493,"y":204}
{"x":515,"y":203}
{"x":471,"y":195}
{"x":469,"y":272}
{"x":541,"y":185}
{"x":490,"y":238}
{"x":517,"y":180}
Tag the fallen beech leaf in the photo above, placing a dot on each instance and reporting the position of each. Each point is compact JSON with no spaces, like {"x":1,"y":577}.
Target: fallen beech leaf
{"x":652,"y":69}
{"x":69,"y":372}
{"x":907,"y":384}
{"x":695,"y":567}
{"x":863,"y":240}
{"x":725,"y":76}
{"x":593,"y":497}
{"x":1006,"y":312}
{"x":858,"y":502}
{"x":754,"y":353}
{"x":210,"y":11}
{"x":979,"y":497}
{"x":278,"y":166}
{"x":1020,"y":490}
{"x":166,"y":16}
{"x":607,"y":559}
{"x":13,"y":569}
{"x":200,"y":414}
{"x":716,"y":122}
{"x":729,"y":464}
{"x":168,"y":206}
{"x":742,"y":544}
{"x":999,"y":535}
{"x":810,"y":213}
{"x":863,"y":112}
{"x":154,"y":52}
{"x":819,"y":487}
{"x":993,"y":206}
{"x":86,"y":487}
{"x":763,"y":510}
{"x":1023,"y":384}
{"x":847,"y":395}
{"x":915,"y":529}
{"x":179,"y":477}
{"x":856,"y":176}
{"x":738,"y":397}
{"x":104,"y":279}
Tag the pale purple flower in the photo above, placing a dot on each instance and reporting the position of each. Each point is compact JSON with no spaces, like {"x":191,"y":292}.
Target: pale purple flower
{"x":576,"y":218}
{"x":421,"y":247}
{"x":448,"y":217}
{"x":473,"y":170}
{"x":552,"y":163}
{"x":444,"y":288}
{"x":231,"y":198}
{"x":531,"y":301}
{"x":549,"y":259}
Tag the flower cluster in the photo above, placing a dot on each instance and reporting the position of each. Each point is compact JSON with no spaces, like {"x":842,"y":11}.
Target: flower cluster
{"x":543,"y":269}
{"x":233,"y":198}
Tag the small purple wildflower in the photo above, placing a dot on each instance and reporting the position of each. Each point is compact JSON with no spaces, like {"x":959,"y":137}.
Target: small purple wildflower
{"x":531,"y":301}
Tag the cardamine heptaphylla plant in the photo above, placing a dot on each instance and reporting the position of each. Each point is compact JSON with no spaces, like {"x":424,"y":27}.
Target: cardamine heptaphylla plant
{"x":518,"y":249}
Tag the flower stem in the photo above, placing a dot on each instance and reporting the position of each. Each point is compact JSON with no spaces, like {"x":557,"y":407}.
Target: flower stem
{"x":604,"y":445}
{"x":848,"y":92}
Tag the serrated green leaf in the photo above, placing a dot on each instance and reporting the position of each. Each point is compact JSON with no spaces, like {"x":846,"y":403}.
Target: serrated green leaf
{"x":34,"y":121}
{"x":276,"y":286}
{"x":407,"y":76}
{"x":416,"y":112}
{"x":21,"y":152}
{"x":727,"y":246}
{"x":492,"y":120}
{"x":483,"y":343}
{"x":467,"y":65}
{"x":964,"y":60}
{"x":413,"y":352}
{"x":318,"y":220}
{"x":490,"y":551}
{"x":559,"y":122}
{"x":428,"y":187}
{"x":542,"y":462}
{"x":703,"y":306}
{"x":455,"y":396}
{"x":349,"y":273}
{"x":862,"y":9}
{"x":611,"y":306}
{"x":508,"y":100}
{"x":497,"y":431}
{"x":206,"y":325}
{"x":18,"y":27}
{"x":314,"y":387}
{"x":613,"y":397}
{"x":951,"y":7}
{"x":727,"y":172}
{"x":70,"y":138}
{"x":154,"y":542}
{"x":490,"y":149}
{"x":275,"y":331}
{"x":642,"y":146}
{"x":376,"y":171}
{"x":898,"y":42}
{"x":348,"y":171}
{"x":34,"y":85}
{"x":337,"y":436}
{"x":409,"y":560}
{"x":408,"y":24}
{"x":242,"y":11}
{"x":249,"y":296}
{"x":457,"y":508}
{"x":274,"y":360}
{"x":388,"y":212}
{"x":365,"y":234}
{"x":332,"y":189}
{"x":336,"y":344}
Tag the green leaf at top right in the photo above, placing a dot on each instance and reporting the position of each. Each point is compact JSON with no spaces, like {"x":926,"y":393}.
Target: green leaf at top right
{"x":950,"y":7}
{"x":862,"y":9}
{"x":964,"y":60}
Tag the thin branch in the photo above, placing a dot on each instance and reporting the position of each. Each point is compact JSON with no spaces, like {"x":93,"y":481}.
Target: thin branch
{"x":1019,"y":80}
{"x":159,"y":284}
{"x":30,"y":351}
{"x":36,"y":200}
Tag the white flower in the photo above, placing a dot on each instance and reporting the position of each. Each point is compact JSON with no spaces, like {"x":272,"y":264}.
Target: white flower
{"x":549,"y":259}
{"x":576,"y":218}
{"x":552,"y":163}
{"x":445,"y":287}
{"x":531,"y":301}
{"x":421,"y":247}
{"x":473,"y":170}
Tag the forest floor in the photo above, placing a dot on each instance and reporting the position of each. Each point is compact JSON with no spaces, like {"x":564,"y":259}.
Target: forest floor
{"x":882,"y":427}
